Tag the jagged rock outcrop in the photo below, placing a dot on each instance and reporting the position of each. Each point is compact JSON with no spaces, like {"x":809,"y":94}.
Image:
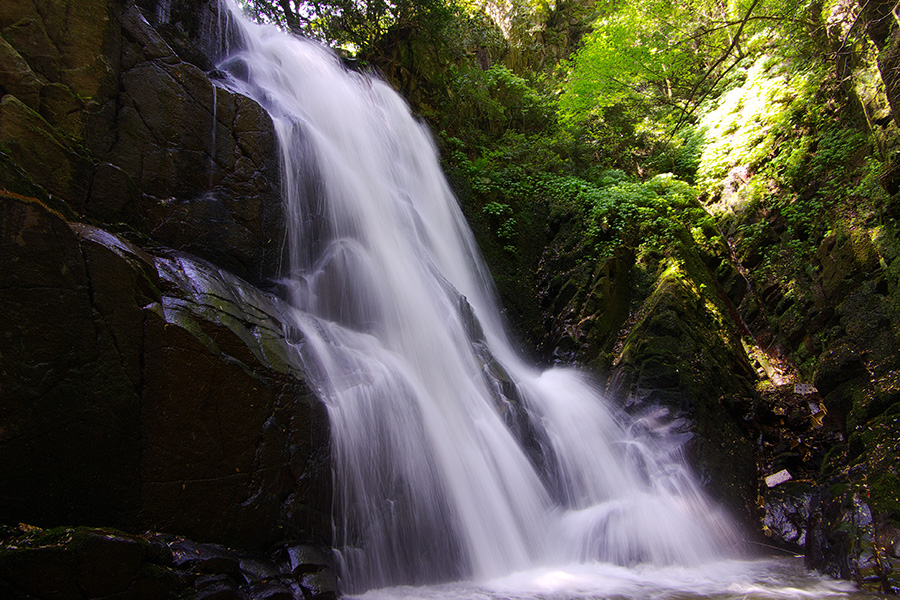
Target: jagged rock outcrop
{"x":146,"y":379}
{"x":681,"y":352}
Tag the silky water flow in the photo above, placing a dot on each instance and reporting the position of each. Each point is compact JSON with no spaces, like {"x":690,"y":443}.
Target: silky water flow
{"x":453,"y":459}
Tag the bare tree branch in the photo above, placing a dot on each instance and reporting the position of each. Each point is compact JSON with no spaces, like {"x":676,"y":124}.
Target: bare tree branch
{"x":690,"y":104}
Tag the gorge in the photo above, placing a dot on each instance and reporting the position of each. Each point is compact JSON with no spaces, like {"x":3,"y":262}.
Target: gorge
{"x":205,"y":338}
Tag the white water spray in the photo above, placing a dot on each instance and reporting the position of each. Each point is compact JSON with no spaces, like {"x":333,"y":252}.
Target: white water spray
{"x":453,"y":459}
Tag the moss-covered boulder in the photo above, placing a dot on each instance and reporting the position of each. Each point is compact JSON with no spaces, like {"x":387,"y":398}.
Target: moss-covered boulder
{"x":681,"y":351}
{"x":584,"y":304}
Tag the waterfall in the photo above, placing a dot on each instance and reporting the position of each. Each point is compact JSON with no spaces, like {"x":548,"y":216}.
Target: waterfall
{"x":453,"y":458}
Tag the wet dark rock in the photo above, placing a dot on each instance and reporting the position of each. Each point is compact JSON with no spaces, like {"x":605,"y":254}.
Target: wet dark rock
{"x":152,"y":392}
{"x":889,"y":539}
{"x":122,"y":129}
{"x":584,"y":306}
{"x":18,"y":78}
{"x":145,"y":379}
{"x":43,"y":152}
{"x":205,"y":558}
{"x":70,"y":444}
{"x":262,"y":458}
{"x":321,"y":584}
{"x":145,"y":390}
{"x":193,"y":28}
{"x":221,"y":592}
{"x":75,"y":563}
{"x":472,"y":326}
{"x":89,"y":564}
{"x":256,"y":571}
{"x":203,"y":158}
{"x":840,"y":537}
{"x":786,"y":514}
{"x":159,"y":552}
{"x":306,"y":559}
{"x":218,"y":588}
{"x":42,"y":572}
{"x":107,"y":563}
{"x":270,"y":590}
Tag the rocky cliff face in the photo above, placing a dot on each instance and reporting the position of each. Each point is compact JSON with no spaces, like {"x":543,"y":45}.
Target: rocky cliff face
{"x":102,"y":116}
{"x":148,"y":381}
{"x":832,"y":323}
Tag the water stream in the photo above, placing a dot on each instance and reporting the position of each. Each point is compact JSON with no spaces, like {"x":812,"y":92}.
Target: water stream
{"x":454,"y":460}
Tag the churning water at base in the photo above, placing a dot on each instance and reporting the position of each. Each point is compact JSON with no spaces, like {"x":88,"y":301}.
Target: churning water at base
{"x":764,"y":580}
{"x":453,"y":459}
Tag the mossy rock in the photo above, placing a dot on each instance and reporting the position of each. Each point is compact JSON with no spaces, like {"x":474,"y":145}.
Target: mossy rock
{"x":17,"y":78}
{"x":881,"y":441}
{"x":43,"y":152}
{"x":682,"y":354}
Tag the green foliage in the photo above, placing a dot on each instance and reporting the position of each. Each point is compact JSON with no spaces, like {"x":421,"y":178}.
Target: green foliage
{"x":613,"y":209}
{"x":504,"y":224}
{"x":649,"y":215}
{"x":805,"y":158}
{"x":658,"y":61}
{"x":628,"y":57}
{"x":739,"y":124}
{"x":487,"y":103}
{"x":540,"y":33}
{"x":352,"y":24}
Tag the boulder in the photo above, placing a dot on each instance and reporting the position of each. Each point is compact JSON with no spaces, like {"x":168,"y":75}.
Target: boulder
{"x":202,"y":159}
{"x":43,"y":152}
{"x":786,"y":514}
{"x":146,"y":391}
{"x":146,"y":378}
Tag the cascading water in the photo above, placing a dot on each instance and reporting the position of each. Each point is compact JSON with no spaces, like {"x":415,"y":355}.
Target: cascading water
{"x":453,"y":459}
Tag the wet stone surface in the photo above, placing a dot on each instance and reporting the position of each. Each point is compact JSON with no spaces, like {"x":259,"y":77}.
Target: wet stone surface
{"x":150,"y":391}
{"x":88,"y":563}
